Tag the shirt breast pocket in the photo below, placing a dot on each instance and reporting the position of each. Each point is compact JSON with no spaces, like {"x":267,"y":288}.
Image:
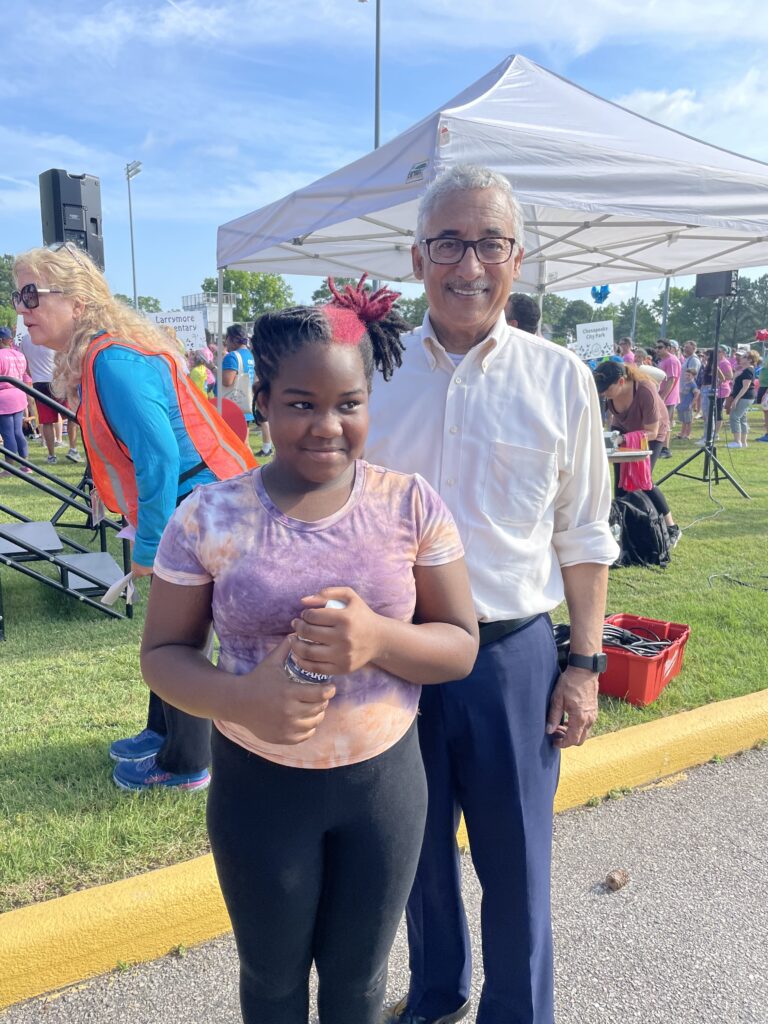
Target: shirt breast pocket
{"x":519,"y":483}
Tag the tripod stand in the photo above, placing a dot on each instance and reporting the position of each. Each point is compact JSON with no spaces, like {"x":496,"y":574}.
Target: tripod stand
{"x":713,"y":467}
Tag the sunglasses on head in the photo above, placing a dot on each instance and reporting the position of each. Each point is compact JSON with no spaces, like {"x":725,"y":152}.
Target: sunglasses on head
{"x":70,"y":247}
{"x":29,"y":296}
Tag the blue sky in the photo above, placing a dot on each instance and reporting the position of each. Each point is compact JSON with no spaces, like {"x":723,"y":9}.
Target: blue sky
{"x":230,"y":104}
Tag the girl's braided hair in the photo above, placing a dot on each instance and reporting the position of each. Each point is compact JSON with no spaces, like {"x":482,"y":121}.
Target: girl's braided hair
{"x":352,"y":317}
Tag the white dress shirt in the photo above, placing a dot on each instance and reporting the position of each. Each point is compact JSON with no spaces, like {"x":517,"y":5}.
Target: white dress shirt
{"x":512,"y":440}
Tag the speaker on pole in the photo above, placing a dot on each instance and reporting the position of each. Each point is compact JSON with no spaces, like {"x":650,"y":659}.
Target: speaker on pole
{"x":716,"y":286}
{"x":70,"y":205}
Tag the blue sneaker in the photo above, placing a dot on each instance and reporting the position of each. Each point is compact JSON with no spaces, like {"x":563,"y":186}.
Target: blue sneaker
{"x":136,"y":748}
{"x":144,"y":774}
{"x":763,"y":438}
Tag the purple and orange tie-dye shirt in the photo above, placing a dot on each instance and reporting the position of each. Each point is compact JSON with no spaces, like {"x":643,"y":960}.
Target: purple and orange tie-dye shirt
{"x":262,"y":562}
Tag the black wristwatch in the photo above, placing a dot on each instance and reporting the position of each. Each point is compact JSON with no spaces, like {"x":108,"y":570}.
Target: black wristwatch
{"x":594,"y":662}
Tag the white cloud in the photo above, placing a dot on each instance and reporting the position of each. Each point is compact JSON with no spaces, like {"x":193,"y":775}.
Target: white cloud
{"x":670,"y":108}
{"x":724,"y":114}
{"x":248,"y":29}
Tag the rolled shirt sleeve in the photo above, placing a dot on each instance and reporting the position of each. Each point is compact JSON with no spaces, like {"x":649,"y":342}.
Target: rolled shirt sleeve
{"x":581,"y":531}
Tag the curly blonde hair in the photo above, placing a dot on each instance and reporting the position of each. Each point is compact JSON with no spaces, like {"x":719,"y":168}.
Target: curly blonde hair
{"x":75,"y":273}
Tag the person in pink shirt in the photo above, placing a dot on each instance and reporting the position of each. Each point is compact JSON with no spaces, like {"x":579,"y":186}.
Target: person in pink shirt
{"x":669,"y":389}
{"x":625,"y":350}
{"x":724,"y":377}
{"x":724,"y":385}
{"x":13,"y":401}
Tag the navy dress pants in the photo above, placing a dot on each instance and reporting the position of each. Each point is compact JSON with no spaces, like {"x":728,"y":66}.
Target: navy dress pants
{"x":486,"y":752}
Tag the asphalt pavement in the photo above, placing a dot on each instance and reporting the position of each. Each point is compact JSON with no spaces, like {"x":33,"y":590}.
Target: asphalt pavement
{"x":685,"y":941}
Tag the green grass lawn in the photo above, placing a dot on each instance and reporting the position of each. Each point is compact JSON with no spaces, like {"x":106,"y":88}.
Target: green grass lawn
{"x":69,"y":685}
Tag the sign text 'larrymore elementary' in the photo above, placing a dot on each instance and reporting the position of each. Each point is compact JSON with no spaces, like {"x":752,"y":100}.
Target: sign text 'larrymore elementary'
{"x":189,"y":326}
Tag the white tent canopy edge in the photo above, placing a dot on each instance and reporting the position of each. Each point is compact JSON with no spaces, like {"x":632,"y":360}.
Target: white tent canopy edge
{"x":608,"y":196}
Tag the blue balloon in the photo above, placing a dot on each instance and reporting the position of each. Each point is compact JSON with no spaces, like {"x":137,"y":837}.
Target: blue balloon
{"x":600,"y":294}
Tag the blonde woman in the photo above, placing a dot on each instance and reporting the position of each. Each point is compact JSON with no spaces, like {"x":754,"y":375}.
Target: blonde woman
{"x":150,"y":438}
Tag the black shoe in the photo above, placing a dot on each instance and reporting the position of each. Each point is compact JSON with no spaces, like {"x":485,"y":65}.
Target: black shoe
{"x":674,"y":535}
{"x":665,"y":453}
{"x":400,"y":1014}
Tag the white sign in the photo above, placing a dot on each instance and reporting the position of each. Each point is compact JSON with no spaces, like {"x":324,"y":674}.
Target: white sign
{"x":189,"y":327}
{"x":21,"y":330}
{"x":593,"y":341}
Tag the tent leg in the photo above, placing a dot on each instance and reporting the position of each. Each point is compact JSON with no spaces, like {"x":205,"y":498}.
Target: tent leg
{"x":220,"y":342}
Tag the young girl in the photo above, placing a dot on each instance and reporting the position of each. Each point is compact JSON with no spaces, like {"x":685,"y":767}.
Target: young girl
{"x":317,"y":804}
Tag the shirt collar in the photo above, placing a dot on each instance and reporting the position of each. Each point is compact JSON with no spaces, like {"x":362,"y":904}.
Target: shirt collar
{"x":484,"y":352}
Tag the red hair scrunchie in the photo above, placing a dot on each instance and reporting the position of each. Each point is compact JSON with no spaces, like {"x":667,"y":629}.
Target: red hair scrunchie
{"x":352,"y":309}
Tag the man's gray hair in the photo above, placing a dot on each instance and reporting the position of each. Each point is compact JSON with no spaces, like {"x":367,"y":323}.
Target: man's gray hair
{"x":469,"y":178}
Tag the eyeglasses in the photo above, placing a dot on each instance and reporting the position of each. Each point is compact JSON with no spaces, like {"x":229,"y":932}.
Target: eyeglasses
{"x":29,"y":296}
{"x":445,"y":251}
{"x":70,"y":248}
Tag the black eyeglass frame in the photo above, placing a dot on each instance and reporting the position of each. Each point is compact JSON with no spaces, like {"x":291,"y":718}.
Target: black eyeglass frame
{"x":469,"y":244}
{"x":31,"y":300}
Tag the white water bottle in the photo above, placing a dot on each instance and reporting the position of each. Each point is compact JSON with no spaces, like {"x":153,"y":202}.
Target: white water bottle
{"x":295,"y":672}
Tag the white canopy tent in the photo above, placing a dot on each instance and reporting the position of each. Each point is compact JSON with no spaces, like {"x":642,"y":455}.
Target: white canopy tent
{"x":608,"y":196}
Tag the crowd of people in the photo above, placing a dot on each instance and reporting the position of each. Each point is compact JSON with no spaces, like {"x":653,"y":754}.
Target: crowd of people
{"x":433,"y":495}
{"x":23,"y":418}
{"x":687,"y":386}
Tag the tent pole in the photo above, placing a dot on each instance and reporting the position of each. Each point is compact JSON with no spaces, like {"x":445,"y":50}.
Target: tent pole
{"x":634,"y":317}
{"x":665,"y":310}
{"x":220,"y":342}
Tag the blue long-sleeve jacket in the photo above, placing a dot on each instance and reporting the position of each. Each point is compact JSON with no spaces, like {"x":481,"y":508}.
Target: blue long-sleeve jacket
{"x":139,"y":401}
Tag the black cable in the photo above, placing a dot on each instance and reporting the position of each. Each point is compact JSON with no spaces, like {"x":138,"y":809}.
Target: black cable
{"x":614,"y":636}
{"x":738,"y":582}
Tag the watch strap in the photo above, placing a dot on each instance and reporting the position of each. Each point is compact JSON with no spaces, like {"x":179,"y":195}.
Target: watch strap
{"x":594,"y":662}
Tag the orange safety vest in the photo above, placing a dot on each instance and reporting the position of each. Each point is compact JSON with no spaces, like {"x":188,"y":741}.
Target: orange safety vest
{"x":219,"y":448}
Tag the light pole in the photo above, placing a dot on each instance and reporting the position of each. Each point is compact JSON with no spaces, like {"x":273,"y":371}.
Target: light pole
{"x":376,"y":95}
{"x":131,"y":170}
{"x":377,"y":78}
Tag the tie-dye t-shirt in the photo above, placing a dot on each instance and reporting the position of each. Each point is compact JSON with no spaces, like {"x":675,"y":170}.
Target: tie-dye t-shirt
{"x":262,"y":562}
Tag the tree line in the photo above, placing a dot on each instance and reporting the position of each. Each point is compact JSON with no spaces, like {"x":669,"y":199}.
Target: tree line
{"x":687,"y":316}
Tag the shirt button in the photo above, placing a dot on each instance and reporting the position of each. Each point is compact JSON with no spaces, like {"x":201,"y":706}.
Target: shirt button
{"x":454,"y":430}
{"x":457,"y":380}
{"x":449,"y":482}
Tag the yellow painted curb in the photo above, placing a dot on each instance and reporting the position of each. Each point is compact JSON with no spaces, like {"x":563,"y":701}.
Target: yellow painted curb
{"x":62,"y":941}
{"x":50,"y":945}
{"x":644,"y":753}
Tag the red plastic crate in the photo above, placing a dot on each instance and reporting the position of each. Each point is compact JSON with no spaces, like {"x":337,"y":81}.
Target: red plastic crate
{"x":641,"y":680}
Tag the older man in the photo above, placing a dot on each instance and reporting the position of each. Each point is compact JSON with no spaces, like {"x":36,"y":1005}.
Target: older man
{"x":507,"y":427}
{"x":690,"y":360}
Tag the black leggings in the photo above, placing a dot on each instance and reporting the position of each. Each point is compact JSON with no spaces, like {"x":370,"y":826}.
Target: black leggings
{"x":186,"y":738}
{"x":655,"y":496}
{"x":315,"y":865}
